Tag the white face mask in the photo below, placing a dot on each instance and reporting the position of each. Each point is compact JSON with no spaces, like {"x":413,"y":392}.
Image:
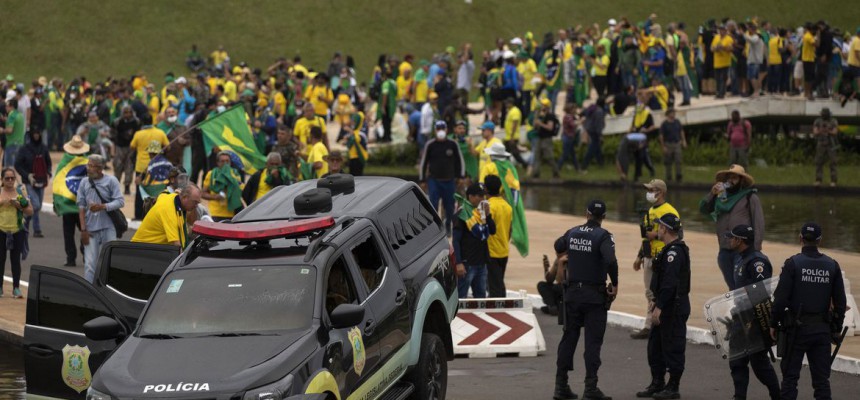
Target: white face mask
{"x":441,"y":135}
{"x":651,"y":197}
{"x":172,"y":119}
{"x":72,"y":96}
{"x":221,"y":109}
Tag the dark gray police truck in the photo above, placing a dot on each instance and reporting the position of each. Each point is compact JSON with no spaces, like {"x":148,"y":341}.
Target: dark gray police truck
{"x":338,"y":288}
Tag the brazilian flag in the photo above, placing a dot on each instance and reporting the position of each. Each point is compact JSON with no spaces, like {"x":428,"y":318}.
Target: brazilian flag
{"x":306,"y":170}
{"x":229,"y":131}
{"x":70,"y":171}
{"x":511,"y":185}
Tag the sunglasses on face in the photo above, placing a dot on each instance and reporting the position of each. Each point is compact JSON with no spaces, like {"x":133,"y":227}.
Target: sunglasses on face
{"x":8,"y":178}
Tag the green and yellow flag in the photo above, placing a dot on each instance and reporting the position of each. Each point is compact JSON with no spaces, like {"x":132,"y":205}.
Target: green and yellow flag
{"x":229,"y":131}
{"x":511,"y":185}
{"x":70,"y":171}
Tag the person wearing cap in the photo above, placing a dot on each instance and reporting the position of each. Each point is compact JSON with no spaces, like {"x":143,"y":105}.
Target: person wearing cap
{"x":440,"y":169}
{"x":547,"y":127}
{"x":93,"y":131}
{"x":590,"y":251}
{"x":824,"y":129}
{"x":651,"y":245}
{"x":499,"y":242}
{"x":156,"y":176}
{"x":733,"y":201}
{"x":670,"y":311}
{"x":810,"y":286}
{"x":335,"y":163}
{"x":303,"y":125}
{"x":473,"y":226}
{"x":14,"y":131}
{"x":752,"y":267}
{"x":33,"y":163}
{"x":722,"y":47}
{"x":488,"y":138}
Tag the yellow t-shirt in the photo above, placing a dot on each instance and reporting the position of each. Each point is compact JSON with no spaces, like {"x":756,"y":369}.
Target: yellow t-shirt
{"x":218,"y":57}
{"x":662,"y":96}
{"x":403,"y":88}
{"x":154,"y":108}
{"x":528,"y":70}
{"x":163,"y":224}
{"x":499,"y":242}
{"x":320,"y":97}
{"x":318,"y":152}
{"x":598,"y":71}
{"x":280,"y":104}
{"x":401,"y":69}
{"x":264,"y":187}
{"x":489,"y":168}
{"x":654,"y":213}
{"x":512,"y":124}
{"x":421,"y":91}
{"x":218,"y":208}
{"x":773,"y":47}
{"x":302,"y":128}
{"x":853,"y":58}
{"x":807,"y":53}
{"x":141,"y":140}
{"x":8,"y":218}
{"x":722,"y":57}
{"x":231,"y":91}
{"x":483,"y":157}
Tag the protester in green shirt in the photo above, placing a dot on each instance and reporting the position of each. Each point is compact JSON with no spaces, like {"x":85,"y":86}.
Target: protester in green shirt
{"x":14,"y":130}
{"x":387,"y":104}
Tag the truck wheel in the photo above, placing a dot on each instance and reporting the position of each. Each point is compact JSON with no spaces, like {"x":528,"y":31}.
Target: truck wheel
{"x":430,"y":376}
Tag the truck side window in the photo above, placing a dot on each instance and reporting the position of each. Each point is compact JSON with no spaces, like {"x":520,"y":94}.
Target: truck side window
{"x":64,"y":307}
{"x":370,"y":263}
{"x":339,"y":286}
{"x":133,"y":277}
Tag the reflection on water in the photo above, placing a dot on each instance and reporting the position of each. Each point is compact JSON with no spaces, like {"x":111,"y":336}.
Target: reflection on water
{"x":784,"y":213}
{"x":11,"y":372}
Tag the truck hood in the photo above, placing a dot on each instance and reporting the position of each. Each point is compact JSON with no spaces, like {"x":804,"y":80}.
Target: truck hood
{"x":161,"y":368}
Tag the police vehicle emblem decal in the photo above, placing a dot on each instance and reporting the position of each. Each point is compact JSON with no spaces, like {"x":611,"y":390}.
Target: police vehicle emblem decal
{"x":358,"y":354}
{"x":76,"y":367}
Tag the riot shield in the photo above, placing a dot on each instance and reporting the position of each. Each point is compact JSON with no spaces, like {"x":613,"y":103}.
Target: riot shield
{"x":740,"y":319}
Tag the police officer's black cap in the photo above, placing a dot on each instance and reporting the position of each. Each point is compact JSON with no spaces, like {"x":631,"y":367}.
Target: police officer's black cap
{"x":743,"y":232}
{"x":670,"y":221}
{"x":597,"y":208}
{"x":475,"y":189}
{"x":811,"y":231}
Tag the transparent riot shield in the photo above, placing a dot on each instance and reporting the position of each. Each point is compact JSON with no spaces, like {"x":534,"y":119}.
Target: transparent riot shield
{"x":740,"y":319}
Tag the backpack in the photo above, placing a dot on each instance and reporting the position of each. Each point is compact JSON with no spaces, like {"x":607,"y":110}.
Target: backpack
{"x":40,"y":171}
{"x":375,"y":90}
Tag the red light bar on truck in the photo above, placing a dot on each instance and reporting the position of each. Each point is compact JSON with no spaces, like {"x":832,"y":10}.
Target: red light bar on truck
{"x":261,"y":230}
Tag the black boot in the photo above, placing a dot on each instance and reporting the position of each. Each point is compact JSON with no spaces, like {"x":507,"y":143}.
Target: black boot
{"x":562,"y":389}
{"x":671,"y":389}
{"x":656,"y":386}
{"x":592,"y":391}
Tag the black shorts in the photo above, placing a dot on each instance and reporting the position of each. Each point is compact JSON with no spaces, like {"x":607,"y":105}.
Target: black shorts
{"x":809,"y":71}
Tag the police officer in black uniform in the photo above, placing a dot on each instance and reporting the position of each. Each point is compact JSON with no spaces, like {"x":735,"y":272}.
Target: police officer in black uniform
{"x":753,"y":267}
{"x":810,"y":291}
{"x":590,"y":258}
{"x":671,"y":287}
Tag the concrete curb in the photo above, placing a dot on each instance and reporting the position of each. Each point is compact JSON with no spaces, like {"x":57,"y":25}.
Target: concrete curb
{"x":695,"y":335}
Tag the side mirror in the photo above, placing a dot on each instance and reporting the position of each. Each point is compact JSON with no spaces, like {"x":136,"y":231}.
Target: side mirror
{"x":103,"y":328}
{"x":346,"y":315}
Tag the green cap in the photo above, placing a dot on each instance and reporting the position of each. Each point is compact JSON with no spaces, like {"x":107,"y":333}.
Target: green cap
{"x":10,"y":77}
{"x":168,"y":79}
{"x":450,"y":49}
{"x":423,"y":63}
{"x":523,"y":54}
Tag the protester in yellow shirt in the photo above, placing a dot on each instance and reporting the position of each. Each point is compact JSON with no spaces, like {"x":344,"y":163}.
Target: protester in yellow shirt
{"x":499,"y":242}
{"x":406,"y":65}
{"x":165,"y":223}
{"x":266,"y":179}
{"x":722,"y":46}
{"x":854,"y":58}
{"x":513,"y":122}
{"x":231,"y":90}
{"x":219,"y":56}
{"x":488,"y":130}
{"x":219,"y":209}
{"x":527,"y":69}
{"x":404,"y":86}
{"x":280,"y":105}
{"x":320,"y":95}
{"x":807,"y":55}
{"x":420,"y":89}
{"x":302,"y":128}
{"x":318,"y":153}
{"x":141,"y":140}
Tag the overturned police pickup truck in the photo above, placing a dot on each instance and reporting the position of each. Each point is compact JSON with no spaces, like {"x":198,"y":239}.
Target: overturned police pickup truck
{"x":338,"y":288}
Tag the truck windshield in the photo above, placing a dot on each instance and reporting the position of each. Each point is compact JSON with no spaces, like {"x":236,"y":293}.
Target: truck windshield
{"x":231,"y":301}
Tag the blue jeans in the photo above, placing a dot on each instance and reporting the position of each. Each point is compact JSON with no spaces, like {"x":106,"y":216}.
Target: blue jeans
{"x":568,"y":151}
{"x":9,"y":155}
{"x":36,"y":195}
{"x":91,"y":251}
{"x":774,"y":77}
{"x":476,"y":278}
{"x":444,"y":190}
{"x":628,"y":79}
{"x":726,"y":260}
{"x":552,"y":95}
{"x":686,"y":88}
{"x":594,"y":151}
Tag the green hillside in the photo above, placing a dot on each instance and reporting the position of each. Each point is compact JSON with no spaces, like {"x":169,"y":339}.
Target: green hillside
{"x":119,"y":38}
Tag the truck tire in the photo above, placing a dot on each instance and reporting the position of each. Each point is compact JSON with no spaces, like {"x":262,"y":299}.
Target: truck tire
{"x":430,"y":376}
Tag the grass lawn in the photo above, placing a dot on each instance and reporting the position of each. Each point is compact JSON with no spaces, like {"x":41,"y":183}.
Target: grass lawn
{"x":793,"y":175}
{"x":117,"y":38}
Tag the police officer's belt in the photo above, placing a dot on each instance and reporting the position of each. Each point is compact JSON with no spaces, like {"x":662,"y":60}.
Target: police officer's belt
{"x":814,"y":318}
{"x":585,"y":284}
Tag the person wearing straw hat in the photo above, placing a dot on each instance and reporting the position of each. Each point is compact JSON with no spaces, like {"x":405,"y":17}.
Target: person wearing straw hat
{"x":68,"y":175}
{"x":733,"y":201}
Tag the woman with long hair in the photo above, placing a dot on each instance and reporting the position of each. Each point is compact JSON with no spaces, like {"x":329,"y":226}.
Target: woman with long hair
{"x":14,"y":206}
